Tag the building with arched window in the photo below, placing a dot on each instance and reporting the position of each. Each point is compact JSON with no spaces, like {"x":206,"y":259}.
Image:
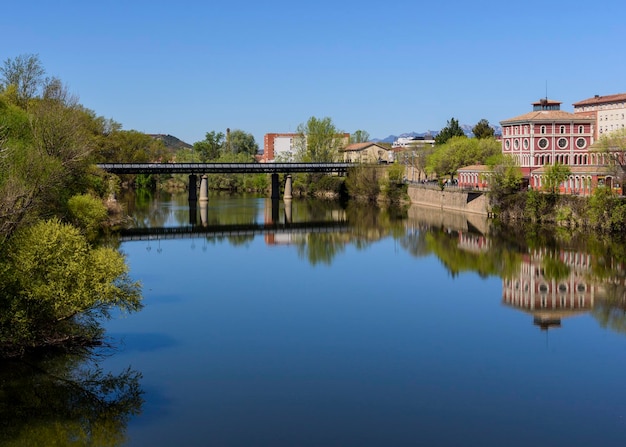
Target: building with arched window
{"x":546,"y":136}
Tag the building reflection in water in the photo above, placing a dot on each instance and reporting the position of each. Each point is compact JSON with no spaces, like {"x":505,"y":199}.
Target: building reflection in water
{"x":551,"y":300}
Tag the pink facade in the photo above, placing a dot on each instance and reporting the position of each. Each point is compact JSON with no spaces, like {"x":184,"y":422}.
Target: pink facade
{"x":546,"y":136}
{"x":542,"y":138}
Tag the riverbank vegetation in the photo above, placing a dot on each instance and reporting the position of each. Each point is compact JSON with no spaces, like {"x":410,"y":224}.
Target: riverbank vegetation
{"x":55,"y":282}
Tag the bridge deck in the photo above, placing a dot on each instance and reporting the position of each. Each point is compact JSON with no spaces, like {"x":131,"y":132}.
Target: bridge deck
{"x":222,"y":168}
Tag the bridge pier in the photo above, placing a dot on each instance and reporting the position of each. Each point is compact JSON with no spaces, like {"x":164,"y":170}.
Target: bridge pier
{"x":193,"y":185}
{"x":288,"y":185}
{"x":204,"y":189}
{"x":275,"y":187}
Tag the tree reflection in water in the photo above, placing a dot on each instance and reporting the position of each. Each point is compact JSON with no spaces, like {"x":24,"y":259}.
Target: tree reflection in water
{"x":65,"y":399}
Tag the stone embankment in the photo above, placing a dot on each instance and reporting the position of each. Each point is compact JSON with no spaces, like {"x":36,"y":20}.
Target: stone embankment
{"x":450,"y":199}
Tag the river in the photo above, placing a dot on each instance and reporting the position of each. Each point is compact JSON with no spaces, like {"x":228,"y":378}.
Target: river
{"x":316,"y":324}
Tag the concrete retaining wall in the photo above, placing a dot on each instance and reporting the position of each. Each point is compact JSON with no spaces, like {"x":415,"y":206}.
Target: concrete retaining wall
{"x":458,"y":200}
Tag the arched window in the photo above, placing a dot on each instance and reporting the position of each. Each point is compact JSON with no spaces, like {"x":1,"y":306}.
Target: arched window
{"x":581,"y":129}
{"x":562,"y":129}
{"x":543,"y":129}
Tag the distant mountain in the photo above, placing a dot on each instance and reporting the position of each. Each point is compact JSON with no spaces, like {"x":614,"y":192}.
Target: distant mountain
{"x":466,"y":128}
{"x":171,"y":142}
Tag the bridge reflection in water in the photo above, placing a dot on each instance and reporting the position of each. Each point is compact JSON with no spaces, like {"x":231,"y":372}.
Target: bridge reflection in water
{"x":273,"y":225}
{"x":252,"y":229}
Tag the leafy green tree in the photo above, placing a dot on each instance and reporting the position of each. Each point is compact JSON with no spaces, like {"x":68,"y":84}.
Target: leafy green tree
{"x":211,"y":147}
{"x":26,"y":73}
{"x":555,"y":175}
{"x":606,"y":210}
{"x":505,"y":177}
{"x":241,"y":142}
{"x":130,"y":146}
{"x":458,"y":151}
{"x":54,"y":287}
{"x":452,"y":129}
{"x":482,"y":129}
{"x":359,"y":136}
{"x":319,"y":141}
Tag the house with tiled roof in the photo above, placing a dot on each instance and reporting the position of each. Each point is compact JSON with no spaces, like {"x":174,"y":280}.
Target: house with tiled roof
{"x":609,"y":112}
{"x":368,"y":152}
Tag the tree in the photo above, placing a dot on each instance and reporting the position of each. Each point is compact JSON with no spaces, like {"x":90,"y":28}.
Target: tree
{"x":555,"y":175}
{"x":25,"y":72}
{"x":482,"y":129}
{"x":505,"y":177}
{"x":359,"y":136}
{"x":240,"y":142}
{"x":452,"y":129}
{"x":612,"y":148}
{"x":461,"y":151}
{"x":211,"y":147}
{"x":319,"y":141}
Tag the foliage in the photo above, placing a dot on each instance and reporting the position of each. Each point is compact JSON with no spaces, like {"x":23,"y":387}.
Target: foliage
{"x":538,"y":206}
{"x":54,"y":286}
{"x":319,"y":141}
{"x":130,"y":146}
{"x":555,"y":175}
{"x":363,"y":182}
{"x":505,"y":177}
{"x":452,"y":129}
{"x":393,"y":186}
{"x":87,"y":212}
{"x":606,"y":210}
{"x":612,"y":146}
{"x":359,"y":136}
{"x":457,"y":152}
{"x":210,"y":148}
{"x":327,"y":184}
{"x":25,"y":72}
{"x":482,"y":129}
{"x":240,"y":142}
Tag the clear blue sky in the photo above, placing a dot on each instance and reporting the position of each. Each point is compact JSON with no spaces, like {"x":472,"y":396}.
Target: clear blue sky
{"x":188,"y":67}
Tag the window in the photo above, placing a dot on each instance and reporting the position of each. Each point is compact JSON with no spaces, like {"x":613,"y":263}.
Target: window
{"x":525,"y":143}
{"x":581,"y":143}
{"x":543,"y":129}
{"x":562,"y":143}
{"x":543,"y":143}
{"x":516,"y":144}
{"x":581,"y":129}
{"x":562,"y":129}
{"x":507,"y":144}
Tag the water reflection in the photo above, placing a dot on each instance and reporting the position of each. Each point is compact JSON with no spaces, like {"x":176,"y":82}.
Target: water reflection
{"x":389,"y":327}
{"x":66,"y":399}
{"x":549,"y":275}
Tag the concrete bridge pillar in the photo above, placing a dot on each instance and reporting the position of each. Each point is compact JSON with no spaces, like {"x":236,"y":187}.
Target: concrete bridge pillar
{"x":287,"y":210}
{"x":288,"y":186}
{"x":204,"y":189}
{"x":275,"y":187}
{"x":193,"y":185}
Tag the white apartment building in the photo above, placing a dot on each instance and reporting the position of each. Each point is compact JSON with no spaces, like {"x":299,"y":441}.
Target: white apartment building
{"x":609,"y":112}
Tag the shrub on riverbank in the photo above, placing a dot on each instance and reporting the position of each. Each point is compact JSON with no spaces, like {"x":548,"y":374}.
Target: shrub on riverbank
{"x":54,"y":287}
{"x":603,"y":211}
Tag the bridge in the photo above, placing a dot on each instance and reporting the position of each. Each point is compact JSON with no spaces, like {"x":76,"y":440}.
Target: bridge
{"x":194,"y":169}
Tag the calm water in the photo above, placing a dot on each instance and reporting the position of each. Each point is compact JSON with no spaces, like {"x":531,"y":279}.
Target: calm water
{"x":317,"y":325}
